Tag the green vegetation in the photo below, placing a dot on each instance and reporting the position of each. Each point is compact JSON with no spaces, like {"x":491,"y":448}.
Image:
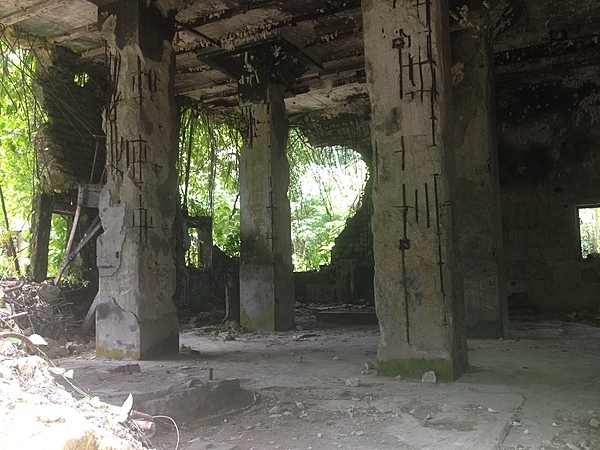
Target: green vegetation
{"x":19,"y":118}
{"x":589,"y":232}
{"x":325,"y":183}
{"x":325,"y":186}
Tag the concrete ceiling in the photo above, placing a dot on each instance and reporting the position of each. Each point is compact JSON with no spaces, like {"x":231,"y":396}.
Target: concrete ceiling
{"x":536,"y":39}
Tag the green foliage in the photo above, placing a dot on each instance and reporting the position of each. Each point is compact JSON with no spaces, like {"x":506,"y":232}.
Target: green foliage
{"x":58,"y":240}
{"x":325,"y":186}
{"x":589,"y":232}
{"x":208,"y":167}
{"x":19,"y":116}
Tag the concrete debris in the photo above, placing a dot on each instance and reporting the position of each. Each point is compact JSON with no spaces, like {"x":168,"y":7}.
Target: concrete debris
{"x":353,"y":382}
{"x":336,"y":358}
{"x":359,"y":433}
{"x":303,"y":337}
{"x":128,"y":368}
{"x":594,"y":423}
{"x":227,"y":335}
{"x":369,"y":365}
{"x":572,"y":447}
{"x":275,"y":410}
{"x":429,"y":377}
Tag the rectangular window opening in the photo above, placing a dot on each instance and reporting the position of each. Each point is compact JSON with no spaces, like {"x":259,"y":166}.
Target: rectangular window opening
{"x":589,"y":231}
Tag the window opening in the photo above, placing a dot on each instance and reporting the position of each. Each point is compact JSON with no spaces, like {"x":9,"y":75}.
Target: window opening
{"x":589,"y":231}
{"x":81,"y":79}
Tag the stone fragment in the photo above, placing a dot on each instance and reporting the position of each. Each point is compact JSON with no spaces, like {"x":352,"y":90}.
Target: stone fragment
{"x":594,"y":423}
{"x":359,"y":433}
{"x":429,"y":377}
{"x":353,"y":382}
{"x":275,"y":410}
{"x":227,"y":335}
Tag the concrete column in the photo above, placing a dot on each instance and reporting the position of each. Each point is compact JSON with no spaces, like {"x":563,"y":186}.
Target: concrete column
{"x":136,"y":316}
{"x":41,"y":225}
{"x":418,"y":282}
{"x":266,"y":283}
{"x":478,"y":205}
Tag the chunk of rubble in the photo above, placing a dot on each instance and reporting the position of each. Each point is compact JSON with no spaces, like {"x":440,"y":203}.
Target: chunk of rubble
{"x":429,"y":377}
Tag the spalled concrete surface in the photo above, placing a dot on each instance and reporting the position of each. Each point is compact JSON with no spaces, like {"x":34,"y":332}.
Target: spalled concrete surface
{"x":418,"y":281}
{"x":538,"y":390}
{"x":266,"y":284}
{"x":136,"y":314}
{"x":478,"y":204}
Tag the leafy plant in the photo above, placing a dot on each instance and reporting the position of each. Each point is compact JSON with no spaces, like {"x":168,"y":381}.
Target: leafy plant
{"x":19,"y":119}
{"x":325,"y":185}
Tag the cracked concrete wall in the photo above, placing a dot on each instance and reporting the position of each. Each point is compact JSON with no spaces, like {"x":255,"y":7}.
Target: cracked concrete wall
{"x":266,"y":282}
{"x":136,"y":316}
{"x":478,"y":200}
{"x":418,"y":283}
{"x":549,"y":152}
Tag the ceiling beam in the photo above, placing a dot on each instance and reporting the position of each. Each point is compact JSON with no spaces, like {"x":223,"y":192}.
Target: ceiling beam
{"x":325,"y":10}
{"x":75,"y":33}
{"x":34,"y":10}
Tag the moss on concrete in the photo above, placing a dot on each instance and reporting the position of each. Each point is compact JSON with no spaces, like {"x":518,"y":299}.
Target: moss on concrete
{"x":117,"y":353}
{"x":264,"y":322}
{"x":444,"y":369}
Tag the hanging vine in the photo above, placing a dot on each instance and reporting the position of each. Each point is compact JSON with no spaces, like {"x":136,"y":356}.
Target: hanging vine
{"x":209,"y":146}
{"x":20,"y":116}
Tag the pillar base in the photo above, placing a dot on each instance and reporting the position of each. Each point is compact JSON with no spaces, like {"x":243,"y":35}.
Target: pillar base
{"x":445,"y":370}
{"x":266,"y":297}
{"x":120,"y":335}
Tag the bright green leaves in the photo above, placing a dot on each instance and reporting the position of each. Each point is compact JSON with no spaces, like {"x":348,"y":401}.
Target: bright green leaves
{"x":17,"y":127}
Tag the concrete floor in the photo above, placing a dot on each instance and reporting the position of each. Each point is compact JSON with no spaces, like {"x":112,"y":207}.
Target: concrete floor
{"x":538,"y":390}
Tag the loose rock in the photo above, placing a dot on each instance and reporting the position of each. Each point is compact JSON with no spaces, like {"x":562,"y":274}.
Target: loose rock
{"x":353,"y":382}
{"x":429,"y":377}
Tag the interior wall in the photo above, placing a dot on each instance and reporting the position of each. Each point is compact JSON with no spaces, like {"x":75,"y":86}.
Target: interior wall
{"x":549,"y":155}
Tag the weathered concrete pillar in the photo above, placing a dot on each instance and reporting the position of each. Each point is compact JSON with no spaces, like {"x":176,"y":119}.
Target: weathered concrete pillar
{"x":478,"y":204}
{"x":136,"y":316}
{"x":266,"y":283}
{"x":41,"y":225}
{"x":418,"y":283}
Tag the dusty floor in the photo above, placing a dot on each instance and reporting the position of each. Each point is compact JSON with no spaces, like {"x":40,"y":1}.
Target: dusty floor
{"x":538,"y":390}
